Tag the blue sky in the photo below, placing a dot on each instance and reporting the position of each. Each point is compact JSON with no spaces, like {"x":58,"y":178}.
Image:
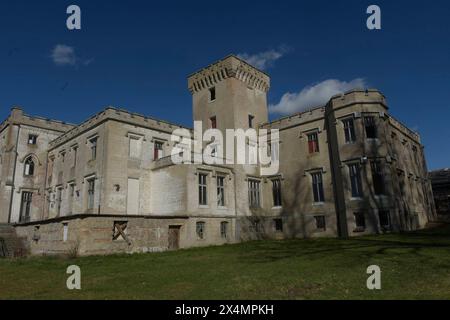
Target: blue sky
{"x":137,"y":55}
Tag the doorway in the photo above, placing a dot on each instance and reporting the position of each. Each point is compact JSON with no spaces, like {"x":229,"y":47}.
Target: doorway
{"x":174,"y":237}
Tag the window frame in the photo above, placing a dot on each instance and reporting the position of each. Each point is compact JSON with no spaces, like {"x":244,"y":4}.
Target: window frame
{"x":220,"y":183}
{"x":200,"y":230}
{"x":202,"y":189}
{"x":317,"y":187}
{"x":313,"y":142}
{"x":354,"y":170}
{"x":254,"y":193}
{"x":224,"y":229}
{"x":276,"y":193}
{"x":370,"y":127}
{"x":349,"y":130}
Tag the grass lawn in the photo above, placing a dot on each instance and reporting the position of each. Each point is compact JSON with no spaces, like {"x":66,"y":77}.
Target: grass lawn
{"x":414,"y":266}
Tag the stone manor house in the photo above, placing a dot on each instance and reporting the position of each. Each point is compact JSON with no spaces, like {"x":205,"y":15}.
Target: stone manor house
{"x":108,"y":185}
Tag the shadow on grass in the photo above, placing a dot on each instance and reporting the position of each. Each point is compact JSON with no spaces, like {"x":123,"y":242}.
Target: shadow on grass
{"x":365,"y":246}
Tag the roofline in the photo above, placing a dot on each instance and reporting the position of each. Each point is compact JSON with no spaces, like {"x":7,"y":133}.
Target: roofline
{"x":226,"y":57}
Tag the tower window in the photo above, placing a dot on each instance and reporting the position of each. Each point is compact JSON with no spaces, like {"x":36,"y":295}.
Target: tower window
{"x":93,"y":143}
{"x":213,"y":122}
{"x":250,"y":121}
{"x":212,"y":94}
{"x":32,"y":139}
{"x":29,"y":167}
{"x":313,"y":142}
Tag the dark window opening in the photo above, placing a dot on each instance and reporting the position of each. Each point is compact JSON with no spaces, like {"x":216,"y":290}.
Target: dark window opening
{"x":377,"y":177}
{"x":32,"y":139}
{"x":213,"y":121}
{"x":212,"y":94}
{"x":385,"y":221}
{"x":250,"y":121}
{"x":370,"y":126}
{"x":320,"y":223}
{"x":278,"y":224}
{"x":360,"y":221}
{"x":276,"y":192}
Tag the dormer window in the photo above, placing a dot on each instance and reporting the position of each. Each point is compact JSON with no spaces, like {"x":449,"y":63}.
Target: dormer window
{"x":32,"y":139}
{"x":212,"y":94}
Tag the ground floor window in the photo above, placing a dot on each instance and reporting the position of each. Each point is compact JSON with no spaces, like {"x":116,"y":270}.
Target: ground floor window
{"x":385,"y":221}
{"x":65,"y":231}
{"x":320,"y":223}
{"x":25,"y":207}
{"x":200,"y":229}
{"x":360,"y":221}
{"x":224,"y":229}
{"x":278,"y":224}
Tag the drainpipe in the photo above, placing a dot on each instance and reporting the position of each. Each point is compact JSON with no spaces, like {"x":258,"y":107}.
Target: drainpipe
{"x":336,"y":172}
{"x":14,"y":175}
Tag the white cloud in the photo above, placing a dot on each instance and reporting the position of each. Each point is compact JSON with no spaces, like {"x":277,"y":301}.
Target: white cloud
{"x":265,"y":59}
{"x":313,"y":96}
{"x":63,"y":55}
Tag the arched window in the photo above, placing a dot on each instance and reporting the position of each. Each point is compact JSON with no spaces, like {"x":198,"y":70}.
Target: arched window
{"x":29,"y":166}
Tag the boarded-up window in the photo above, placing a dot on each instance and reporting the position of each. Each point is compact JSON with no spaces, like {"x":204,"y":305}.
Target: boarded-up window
{"x":90,"y":193}
{"x":65,"y":232}
{"x":135,"y":147}
{"x":133,"y":197}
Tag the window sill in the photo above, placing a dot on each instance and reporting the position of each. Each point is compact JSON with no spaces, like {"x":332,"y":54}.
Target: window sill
{"x":277,"y":208}
{"x":203,"y":206}
{"x":222,"y":208}
{"x":356,"y":199}
{"x":318,"y":204}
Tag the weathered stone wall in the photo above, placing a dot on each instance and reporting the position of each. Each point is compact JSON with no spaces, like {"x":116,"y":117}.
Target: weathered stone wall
{"x":93,"y":235}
